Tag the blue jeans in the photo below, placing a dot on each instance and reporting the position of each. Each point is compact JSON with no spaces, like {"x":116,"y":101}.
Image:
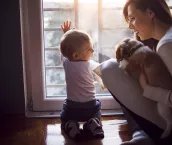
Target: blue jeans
{"x":77,"y":111}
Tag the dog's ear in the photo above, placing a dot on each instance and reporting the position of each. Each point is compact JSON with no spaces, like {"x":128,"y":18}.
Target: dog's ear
{"x":120,"y":49}
{"x":118,"y":53}
{"x":126,"y":40}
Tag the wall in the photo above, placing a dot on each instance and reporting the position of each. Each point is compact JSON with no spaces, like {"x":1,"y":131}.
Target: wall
{"x":11,"y":82}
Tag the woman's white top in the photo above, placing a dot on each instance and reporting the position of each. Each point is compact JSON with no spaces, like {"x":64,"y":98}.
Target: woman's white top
{"x":164,"y":49}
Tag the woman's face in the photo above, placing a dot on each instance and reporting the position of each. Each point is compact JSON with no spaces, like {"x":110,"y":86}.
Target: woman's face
{"x":140,"y":22}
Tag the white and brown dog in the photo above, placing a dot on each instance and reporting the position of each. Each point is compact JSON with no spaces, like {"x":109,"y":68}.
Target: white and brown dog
{"x":132,"y":55}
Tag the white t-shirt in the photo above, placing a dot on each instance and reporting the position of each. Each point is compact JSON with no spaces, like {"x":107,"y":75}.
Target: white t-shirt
{"x":79,"y":80}
{"x":164,"y":49}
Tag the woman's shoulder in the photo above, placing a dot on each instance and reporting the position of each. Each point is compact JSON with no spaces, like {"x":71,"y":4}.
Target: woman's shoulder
{"x":166,"y":39}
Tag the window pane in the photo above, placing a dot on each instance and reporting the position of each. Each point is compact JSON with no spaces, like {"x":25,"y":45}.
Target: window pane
{"x":95,"y":54}
{"x":55,"y":76}
{"x":169,"y":2}
{"x":60,"y":91}
{"x":88,"y":21}
{"x":53,"y":92}
{"x":108,"y":52}
{"x":56,"y":18}
{"x":113,"y":3}
{"x":88,"y":16}
{"x":52,"y":38}
{"x":113,"y":18}
{"x":111,"y":37}
{"x":58,"y":3}
{"x":99,"y":90}
{"x":52,"y":58}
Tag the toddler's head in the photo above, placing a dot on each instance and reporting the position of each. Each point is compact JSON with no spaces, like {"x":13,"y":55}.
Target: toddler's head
{"x":76,"y":45}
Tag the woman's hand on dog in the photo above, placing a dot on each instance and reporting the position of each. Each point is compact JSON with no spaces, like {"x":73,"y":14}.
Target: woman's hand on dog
{"x":143,"y":78}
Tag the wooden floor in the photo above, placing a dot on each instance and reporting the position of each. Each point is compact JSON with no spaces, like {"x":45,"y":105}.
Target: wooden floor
{"x":38,"y":131}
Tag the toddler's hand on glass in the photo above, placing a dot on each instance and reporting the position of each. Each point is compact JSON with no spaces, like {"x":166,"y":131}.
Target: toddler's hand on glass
{"x":66,"y":26}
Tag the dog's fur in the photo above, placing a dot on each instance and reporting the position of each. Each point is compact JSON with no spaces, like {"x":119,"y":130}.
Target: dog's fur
{"x":132,"y":55}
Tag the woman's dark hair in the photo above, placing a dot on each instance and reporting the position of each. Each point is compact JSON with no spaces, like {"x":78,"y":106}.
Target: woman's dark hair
{"x":159,"y":7}
{"x":151,"y":42}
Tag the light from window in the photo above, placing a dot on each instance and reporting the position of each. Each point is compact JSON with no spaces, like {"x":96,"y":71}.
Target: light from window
{"x":103,"y":21}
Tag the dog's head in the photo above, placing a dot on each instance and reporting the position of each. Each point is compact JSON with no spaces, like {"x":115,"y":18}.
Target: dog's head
{"x":126,"y":48}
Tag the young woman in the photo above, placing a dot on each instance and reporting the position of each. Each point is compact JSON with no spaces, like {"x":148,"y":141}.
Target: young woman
{"x":148,"y":19}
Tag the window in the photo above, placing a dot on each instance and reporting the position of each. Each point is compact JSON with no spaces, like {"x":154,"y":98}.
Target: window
{"x":169,"y":2}
{"x":41,"y":32}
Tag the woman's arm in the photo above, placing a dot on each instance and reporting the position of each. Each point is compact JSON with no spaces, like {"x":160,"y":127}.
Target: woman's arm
{"x":156,"y":93}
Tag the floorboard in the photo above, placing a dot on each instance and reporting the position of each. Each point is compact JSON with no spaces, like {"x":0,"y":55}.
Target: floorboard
{"x":42,"y":131}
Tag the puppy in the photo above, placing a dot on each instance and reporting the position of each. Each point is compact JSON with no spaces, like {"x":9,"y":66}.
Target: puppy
{"x":132,"y":55}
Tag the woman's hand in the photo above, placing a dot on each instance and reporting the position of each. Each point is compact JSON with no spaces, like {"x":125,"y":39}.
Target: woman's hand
{"x":66,"y":26}
{"x":143,"y":78}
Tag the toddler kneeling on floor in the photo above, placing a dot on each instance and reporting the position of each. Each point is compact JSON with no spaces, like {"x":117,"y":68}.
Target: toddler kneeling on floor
{"x":81,"y":105}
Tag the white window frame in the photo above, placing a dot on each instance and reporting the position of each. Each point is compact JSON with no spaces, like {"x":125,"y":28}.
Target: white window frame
{"x":33,"y":61}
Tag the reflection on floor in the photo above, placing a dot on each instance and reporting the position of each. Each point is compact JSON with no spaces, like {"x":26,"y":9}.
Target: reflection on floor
{"x":38,"y":131}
